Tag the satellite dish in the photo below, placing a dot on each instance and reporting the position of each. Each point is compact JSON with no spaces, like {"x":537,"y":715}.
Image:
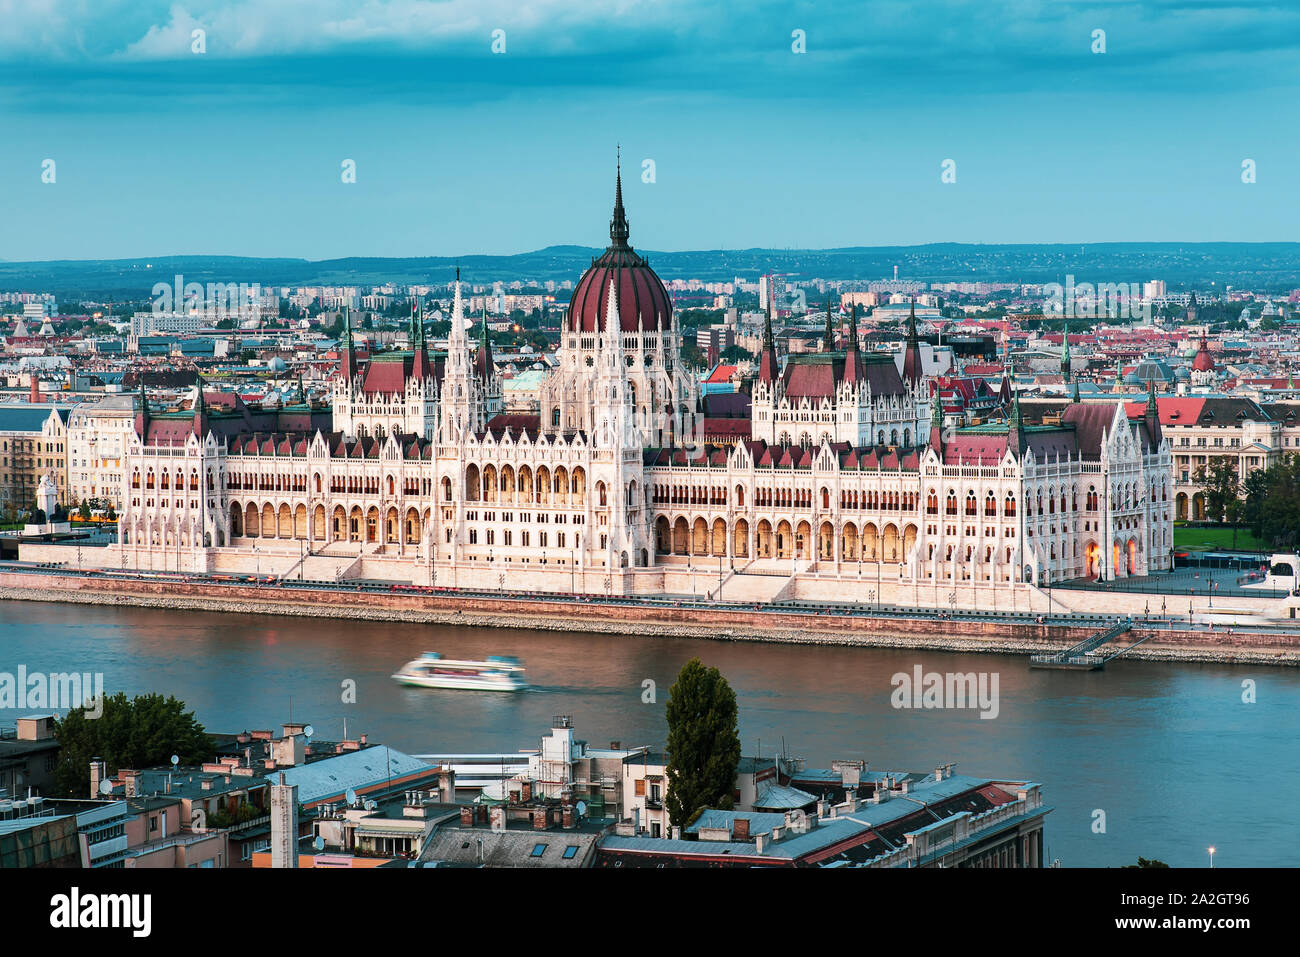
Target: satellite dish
{"x":309,"y":731}
{"x":351,"y":795}
{"x":582,"y":808}
{"x":319,"y":843}
{"x":175,"y":760}
{"x":106,"y":786}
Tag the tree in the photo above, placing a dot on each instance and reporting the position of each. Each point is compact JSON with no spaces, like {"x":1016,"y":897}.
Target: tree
{"x":111,"y":514}
{"x":1143,"y":862}
{"x":703,"y":743}
{"x":84,"y":510}
{"x":1221,"y":485}
{"x":1273,"y":502}
{"x":131,"y":733}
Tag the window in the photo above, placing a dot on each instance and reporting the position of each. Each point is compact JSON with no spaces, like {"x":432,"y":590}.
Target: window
{"x":570,"y":852}
{"x":539,"y":850}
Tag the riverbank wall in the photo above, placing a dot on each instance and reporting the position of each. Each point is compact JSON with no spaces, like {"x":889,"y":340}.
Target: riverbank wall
{"x":726,"y":623}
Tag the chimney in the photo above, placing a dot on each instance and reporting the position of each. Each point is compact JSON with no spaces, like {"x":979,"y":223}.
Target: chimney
{"x":35,"y":395}
{"x":128,"y":782}
{"x":938,"y":774}
{"x":740,"y":829}
{"x":497,"y":818}
{"x":567,"y":820}
{"x":97,"y":772}
{"x":447,"y":786}
{"x":761,"y":842}
{"x":466,"y":816}
{"x":526,"y":791}
{"x":615,"y":745}
{"x":821,"y":807}
{"x":539,"y":820}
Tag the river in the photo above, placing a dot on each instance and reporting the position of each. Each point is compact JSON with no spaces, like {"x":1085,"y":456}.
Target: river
{"x":1170,"y":754}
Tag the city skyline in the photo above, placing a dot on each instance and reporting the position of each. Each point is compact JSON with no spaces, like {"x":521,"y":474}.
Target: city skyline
{"x":461,"y":151}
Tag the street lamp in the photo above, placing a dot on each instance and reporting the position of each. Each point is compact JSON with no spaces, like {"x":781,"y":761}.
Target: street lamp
{"x":1211,"y":858}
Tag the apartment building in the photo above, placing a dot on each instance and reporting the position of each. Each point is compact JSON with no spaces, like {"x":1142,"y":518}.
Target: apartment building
{"x":98,"y":434}
{"x":33,"y":444}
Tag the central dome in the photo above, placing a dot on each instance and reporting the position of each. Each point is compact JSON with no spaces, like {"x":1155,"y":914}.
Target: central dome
{"x":643,"y":302}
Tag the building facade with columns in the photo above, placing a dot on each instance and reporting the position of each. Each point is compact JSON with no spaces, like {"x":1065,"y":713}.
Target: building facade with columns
{"x":416,"y":475}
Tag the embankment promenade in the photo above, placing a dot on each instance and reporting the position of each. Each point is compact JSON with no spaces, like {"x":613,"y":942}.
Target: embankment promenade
{"x":630,"y":617}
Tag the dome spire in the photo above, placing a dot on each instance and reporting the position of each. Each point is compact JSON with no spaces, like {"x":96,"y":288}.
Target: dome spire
{"x":618,"y":228}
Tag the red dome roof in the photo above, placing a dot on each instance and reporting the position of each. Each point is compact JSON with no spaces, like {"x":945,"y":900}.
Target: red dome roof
{"x":643,"y":302}
{"x":1202,"y":362}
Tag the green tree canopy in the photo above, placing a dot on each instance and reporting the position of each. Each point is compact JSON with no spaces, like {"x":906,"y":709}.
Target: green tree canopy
{"x":1273,"y":502}
{"x":1143,"y":862}
{"x":703,"y":743}
{"x":1222,"y":487}
{"x":140,"y":732}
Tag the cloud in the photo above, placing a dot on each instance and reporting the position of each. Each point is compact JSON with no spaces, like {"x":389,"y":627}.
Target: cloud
{"x":953,"y":48}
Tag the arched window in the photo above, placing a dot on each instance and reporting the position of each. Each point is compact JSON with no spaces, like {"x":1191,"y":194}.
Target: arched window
{"x":1009,"y":509}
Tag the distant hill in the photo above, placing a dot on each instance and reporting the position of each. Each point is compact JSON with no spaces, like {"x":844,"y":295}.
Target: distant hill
{"x":1273,"y":266}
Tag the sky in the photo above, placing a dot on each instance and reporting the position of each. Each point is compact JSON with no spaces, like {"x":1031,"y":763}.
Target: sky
{"x":459,"y":149}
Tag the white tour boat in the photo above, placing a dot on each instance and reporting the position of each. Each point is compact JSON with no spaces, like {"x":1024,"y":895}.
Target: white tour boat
{"x":432,"y":670}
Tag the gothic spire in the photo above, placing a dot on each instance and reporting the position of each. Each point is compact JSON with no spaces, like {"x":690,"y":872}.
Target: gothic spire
{"x":767,"y":371}
{"x":828,"y":337}
{"x":618,"y":227}
{"x":936,"y":422}
{"x":1016,"y":426}
{"x":1065,"y":353}
{"x":348,"y":358}
{"x":912,"y":351}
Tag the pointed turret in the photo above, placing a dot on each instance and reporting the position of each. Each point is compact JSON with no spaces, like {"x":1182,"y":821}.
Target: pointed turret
{"x":1152,"y":415}
{"x":421,"y":368}
{"x":347,"y":351}
{"x":142,"y":413}
{"x":1016,"y":427}
{"x":828,"y":336}
{"x":456,"y":382}
{"x":767,"y":371}
{"x":1065,"y":353}
{"x":483,"y":367}
{"x":853,"y":370}
{"x":200,"y":410}
{"x":912,"y":351}
{"x":936,"y":422}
